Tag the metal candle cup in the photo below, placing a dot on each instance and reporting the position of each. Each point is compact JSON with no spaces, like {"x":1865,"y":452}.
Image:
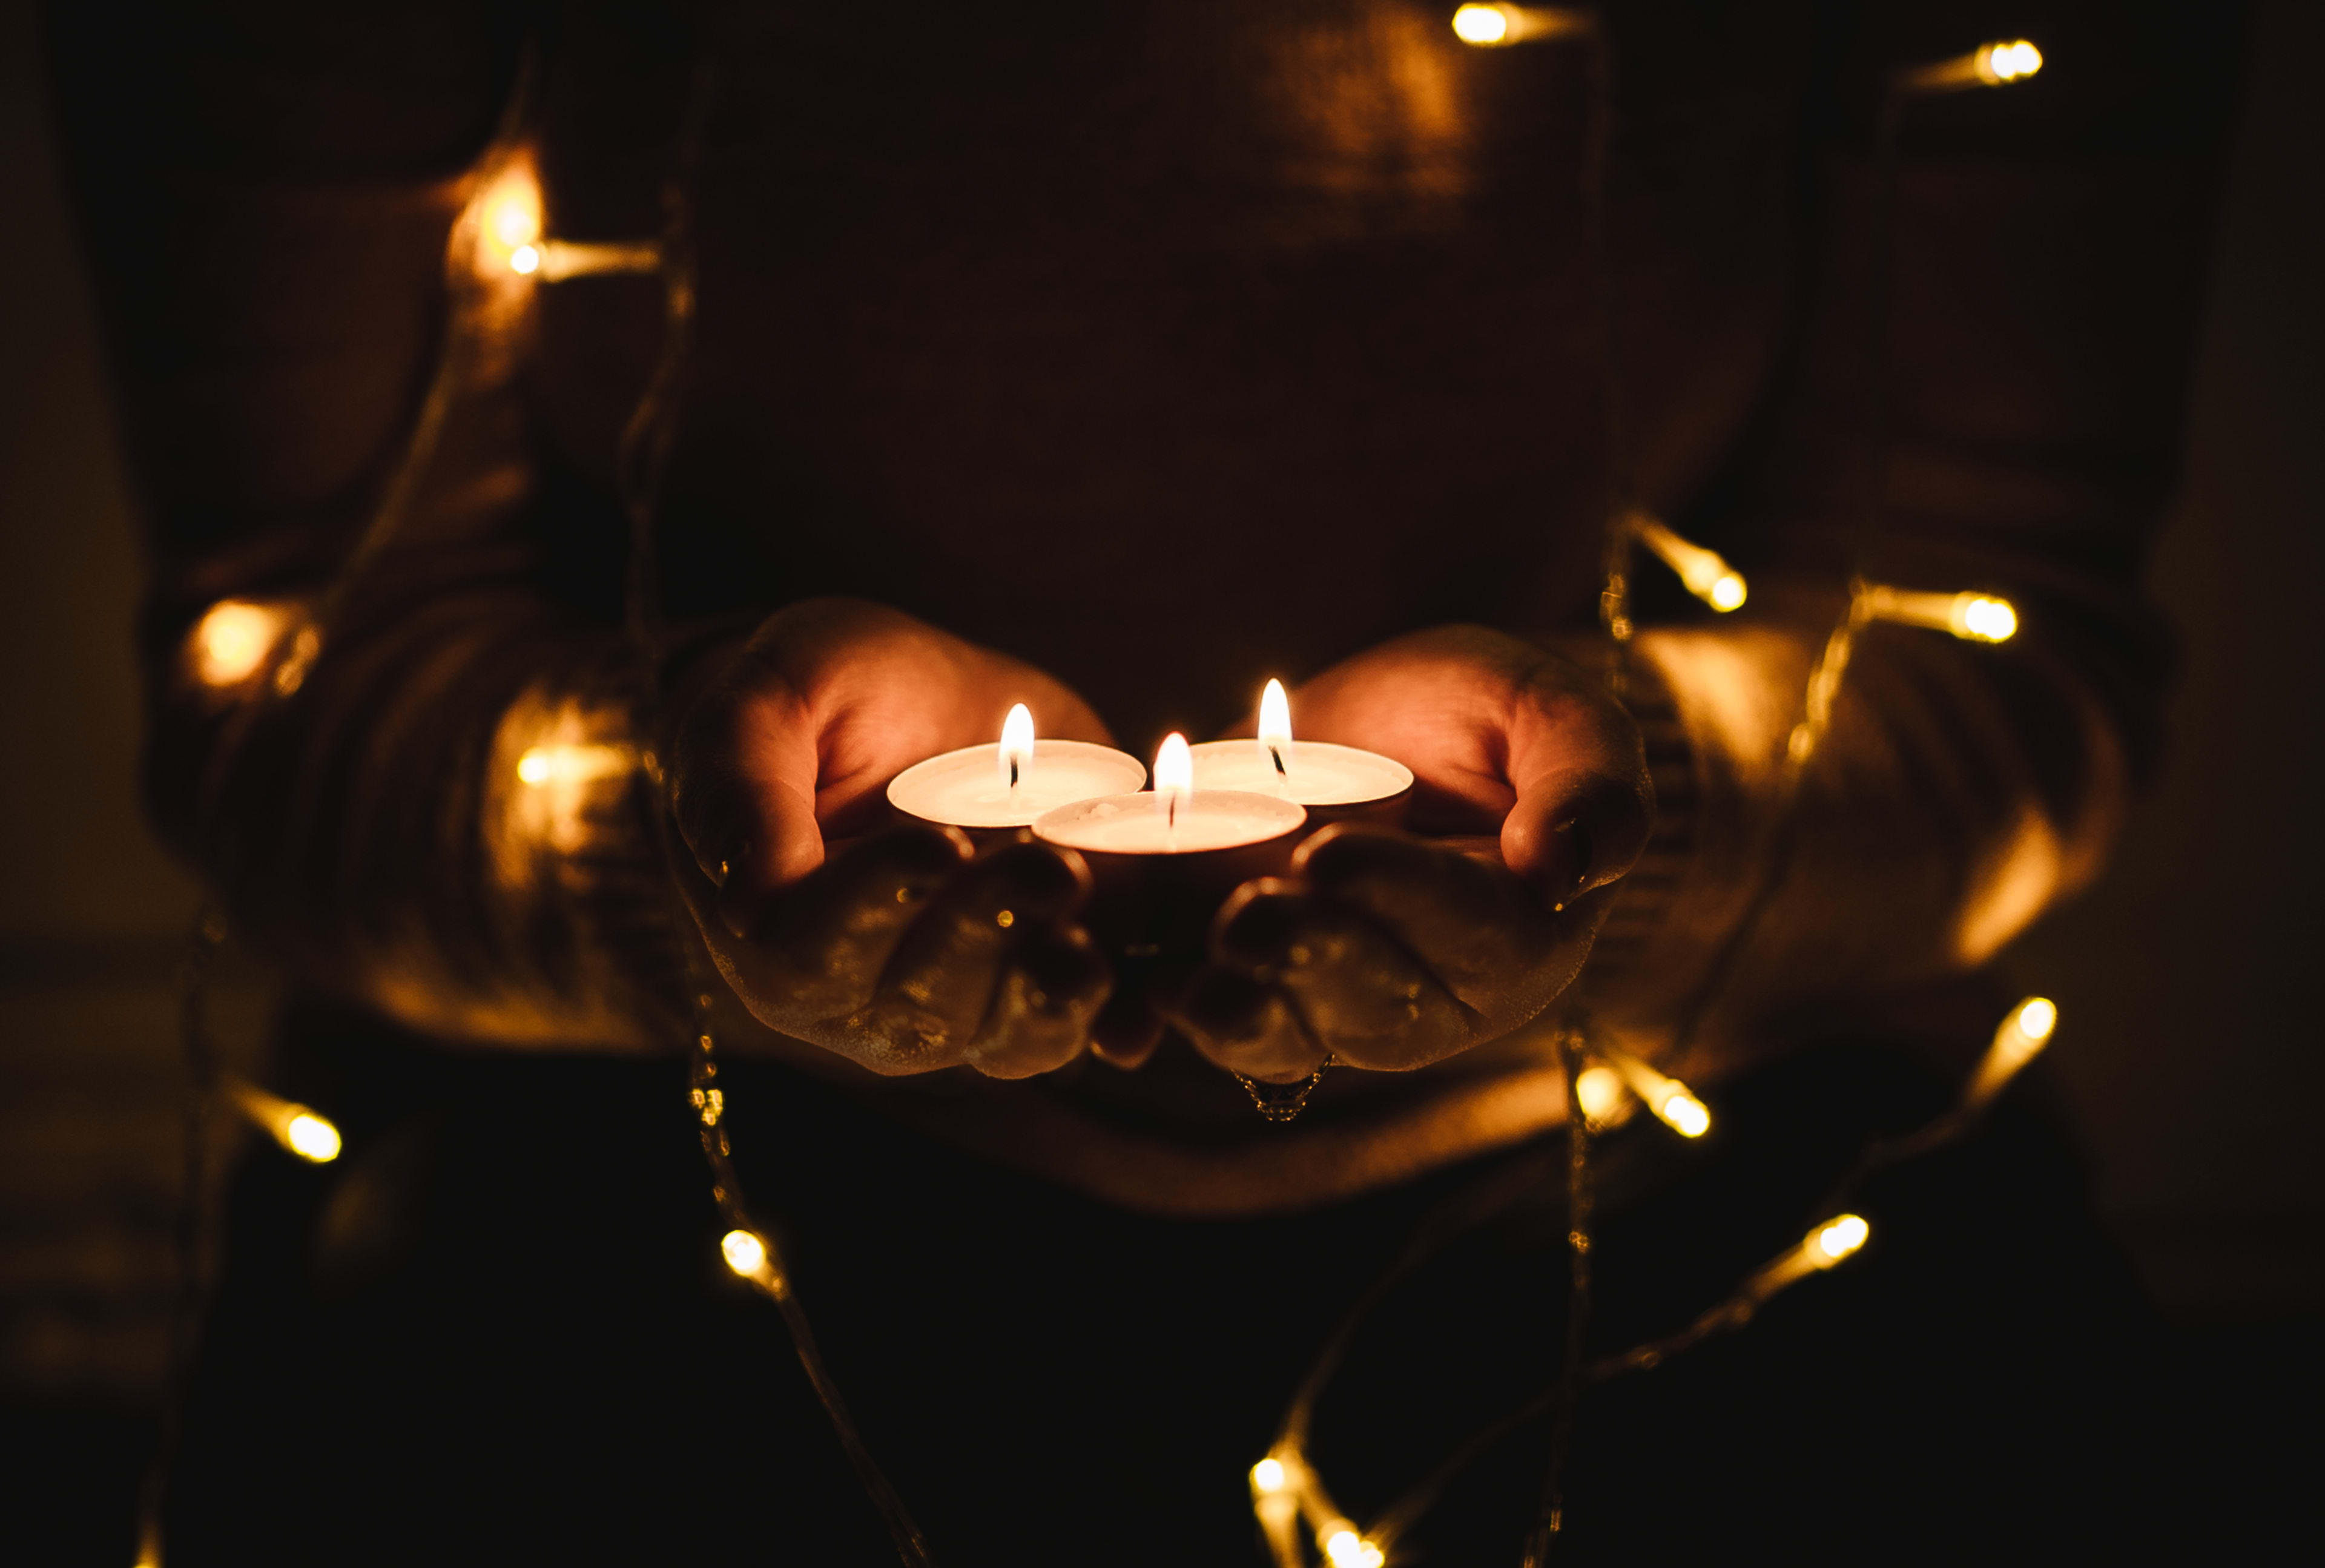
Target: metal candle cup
{"x":978,"y":789}
{"x":1335,"y":783}
{"x":1165,"y":859}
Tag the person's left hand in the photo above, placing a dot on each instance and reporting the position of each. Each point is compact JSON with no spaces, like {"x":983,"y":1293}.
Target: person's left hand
{"x":1391,"y":950}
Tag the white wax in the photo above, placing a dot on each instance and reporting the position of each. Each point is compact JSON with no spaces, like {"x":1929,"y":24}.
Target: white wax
{"x":1317,"y":773}
{"x":967,"y":789}
{"x":1135,"y":824}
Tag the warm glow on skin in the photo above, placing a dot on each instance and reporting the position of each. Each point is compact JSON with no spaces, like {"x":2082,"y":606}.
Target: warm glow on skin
{"x":233,"y":640}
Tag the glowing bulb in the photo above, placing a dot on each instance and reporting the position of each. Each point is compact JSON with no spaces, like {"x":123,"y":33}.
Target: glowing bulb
{"x":1674,"y":1103}
{"x":2018,"y":1042}
{"x":747,"y":1254}
{"x":1482,"y":26}
{"x":507,"y":216}
{"x":1684,"y":1114}
{"x":2013,"y":61}
{"x":311,"y":1137}
{"x":233,"y":639}
{"x":1344,"y":1548}
{"x":1985,"y":621}
{"x":1267,"y":1475}
{"x":1838,"y":1238}
{"x":1016,"y":746}
{"x":1705,"y":574}
{"x":1600,"y":1091}
{"x":574,"y":765}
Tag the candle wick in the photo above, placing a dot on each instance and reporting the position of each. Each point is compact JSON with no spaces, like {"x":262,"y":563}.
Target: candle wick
{"x":1280,"y":772}
{"x":1012,"y":770}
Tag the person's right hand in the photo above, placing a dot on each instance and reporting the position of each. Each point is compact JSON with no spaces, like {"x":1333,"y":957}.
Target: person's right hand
{"x":904,"y":950}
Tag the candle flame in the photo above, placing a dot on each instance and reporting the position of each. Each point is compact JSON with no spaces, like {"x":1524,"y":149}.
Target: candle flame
{"x":1016,"y":744}
{"x":1174,"y":774}
{"x":1174,"y":767}
{"x":1275,"y":727}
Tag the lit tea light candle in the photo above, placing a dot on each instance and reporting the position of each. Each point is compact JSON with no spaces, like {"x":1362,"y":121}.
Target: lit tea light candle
{"x":1174,"y":818}
{"x":1010,"y":783}
{"x":1332,"y":782}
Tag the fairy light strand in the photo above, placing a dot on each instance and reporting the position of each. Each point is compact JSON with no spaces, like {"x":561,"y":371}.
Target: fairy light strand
{"x":288,"y":648}
{"x":1967,"y":616}
{"x":1830,"y":1241}
{"x":641,"y":462}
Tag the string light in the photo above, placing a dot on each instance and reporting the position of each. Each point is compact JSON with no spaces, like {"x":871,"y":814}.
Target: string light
{"x":1975,"y":618}
{"x":300,"y":1130}
{"x":747,"y":1254}
{"x":560,"y":259}
{"x":1703,"y":571}
{"x":1604,"y":1099}
{"x":1827,"y":1244}
{"x":1989,"y":65}
{"x":543,"y":765}
{"x":1672,"y":1103}
{"x":508,"y":221}
{"x":2018,"y":1042}
{"x":1344,"y":1547}
{"x":234,"y":639}
{"x":1493,"y":26}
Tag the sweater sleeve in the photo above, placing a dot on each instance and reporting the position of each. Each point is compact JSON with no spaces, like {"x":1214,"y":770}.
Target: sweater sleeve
{"x":2043,"y":283}
{"x":426,"y":798}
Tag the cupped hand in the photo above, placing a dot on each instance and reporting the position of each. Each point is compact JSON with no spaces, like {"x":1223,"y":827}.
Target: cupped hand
{"x":1393,"y":950}
{"x":902,"y":949}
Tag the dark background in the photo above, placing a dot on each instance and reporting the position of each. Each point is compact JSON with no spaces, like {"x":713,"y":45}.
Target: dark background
{"x":2188,"y":1051}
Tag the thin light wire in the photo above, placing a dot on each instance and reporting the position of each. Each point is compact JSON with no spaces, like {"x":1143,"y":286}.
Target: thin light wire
{"x":641,"y":461}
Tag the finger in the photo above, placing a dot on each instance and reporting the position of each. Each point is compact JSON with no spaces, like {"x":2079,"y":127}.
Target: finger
{"x":939,"y":981}
{"x":1127,"y":1030}
{"x":744,"y":791}
{"x":1584,"y":805}
{"x":1051,"y":987}
{"x":1573,"y":831}
{"x":1364,"y":995}
{"x":1246,"y":1026}
{"x":1479,"y":930}
{"x":830,"y":937}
